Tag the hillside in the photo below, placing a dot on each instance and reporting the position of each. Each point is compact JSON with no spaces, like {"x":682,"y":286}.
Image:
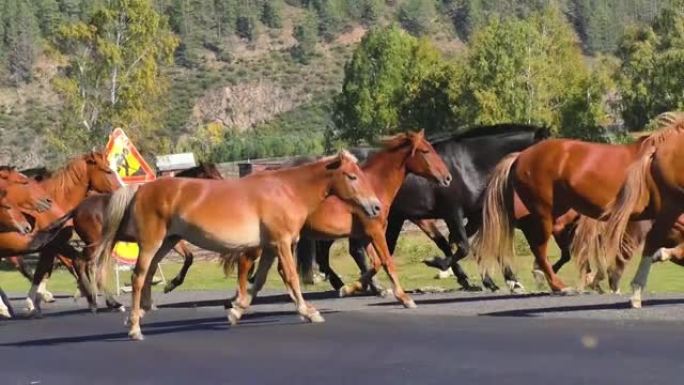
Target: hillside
{"x":236,"y":70}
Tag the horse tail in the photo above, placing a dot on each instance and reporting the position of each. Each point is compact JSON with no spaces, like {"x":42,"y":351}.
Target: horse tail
{"x":633,"y":196}
{"x":114,"y":213}
{"x":493,"y":243}
{"x":587,"y":247}
{"x":229,"y":260}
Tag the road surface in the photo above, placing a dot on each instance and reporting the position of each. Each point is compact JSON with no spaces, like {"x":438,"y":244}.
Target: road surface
{"x":452,"y":338}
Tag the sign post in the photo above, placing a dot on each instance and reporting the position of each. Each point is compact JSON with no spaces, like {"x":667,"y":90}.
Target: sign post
{"x":130,"y":168}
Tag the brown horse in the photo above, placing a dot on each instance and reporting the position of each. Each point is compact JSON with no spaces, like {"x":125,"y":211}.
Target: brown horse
{"x":261,"y":211}
{"x":88,"y":225}
{"x":654,"y":191}
{"x":68,"y":187}
{"x":556,"y":180}
{"x":334,"y":219}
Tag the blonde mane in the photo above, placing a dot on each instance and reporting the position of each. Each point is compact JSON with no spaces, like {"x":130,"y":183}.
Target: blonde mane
{"x":664,"y":126}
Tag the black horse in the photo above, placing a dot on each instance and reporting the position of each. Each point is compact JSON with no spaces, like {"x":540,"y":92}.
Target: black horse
{"x":470,"y":156}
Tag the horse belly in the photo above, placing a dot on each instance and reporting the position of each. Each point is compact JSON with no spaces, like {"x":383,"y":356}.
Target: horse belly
{"x":219,"y":236}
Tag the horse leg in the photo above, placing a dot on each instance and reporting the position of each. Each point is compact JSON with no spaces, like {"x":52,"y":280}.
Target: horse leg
{"x":5,"y":307}
{"x":383,"y":257}
{"x":357,"y":251}
{"x":429,"y":228}
{"x":154,"y":245}
{"x":259,"y":277}
{"x":538,"y":231}
{"x":394,"y":225}
{"x":243,"y":299}
{"x":45,"y":262}
{"x":654,"y":239}
{"x":306,"y":247}
{"x":323,"y":260}
{"x":459,"y":236}
{"x":291,"y":280}
{"x":21,"y":265}
{"x":188,"y":258}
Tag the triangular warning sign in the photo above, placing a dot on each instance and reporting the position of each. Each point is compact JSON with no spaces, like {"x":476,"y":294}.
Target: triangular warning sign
{"x":126,"y":161}
{"x":130,"y":168}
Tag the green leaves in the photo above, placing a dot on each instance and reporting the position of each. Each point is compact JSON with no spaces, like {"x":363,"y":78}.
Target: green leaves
{"x":651,"y":76}
{"x":114,"y":75}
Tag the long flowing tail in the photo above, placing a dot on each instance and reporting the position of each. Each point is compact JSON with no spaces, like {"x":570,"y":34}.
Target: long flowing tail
{"x":493,"y":243}
{"x":588,"y":247}
{"x":116,"y":209}
{"x":632,"y":198}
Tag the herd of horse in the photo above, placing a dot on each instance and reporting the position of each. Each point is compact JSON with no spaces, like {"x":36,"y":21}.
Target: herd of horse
{"x":600,"y":202}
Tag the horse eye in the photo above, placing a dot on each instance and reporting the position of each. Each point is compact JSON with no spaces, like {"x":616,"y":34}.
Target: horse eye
{"x":351,"y":176}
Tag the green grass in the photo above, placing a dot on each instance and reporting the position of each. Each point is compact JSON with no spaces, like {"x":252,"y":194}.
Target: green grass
{"x":412,"y":248}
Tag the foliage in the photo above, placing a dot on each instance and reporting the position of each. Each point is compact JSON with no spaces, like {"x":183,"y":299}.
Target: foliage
{"x":652,"y":72}
{"x":530,"y":71}
{"x":18,"y":32}
{"x":416,"y":16}
{"x":306,"y":35}
{"x":113,"y":75}
{"x":393,"y":82}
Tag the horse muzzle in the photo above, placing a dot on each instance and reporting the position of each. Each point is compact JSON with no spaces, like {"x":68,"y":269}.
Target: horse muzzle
{"x":445,"y":181}
{"x":371,"y":207}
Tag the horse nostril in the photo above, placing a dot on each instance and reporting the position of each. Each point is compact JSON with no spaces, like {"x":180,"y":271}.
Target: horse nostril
{"x":376,"y":208}
{"x":27,"y":229}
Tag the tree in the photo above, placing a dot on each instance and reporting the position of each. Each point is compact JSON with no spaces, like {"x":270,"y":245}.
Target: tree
{"x":114,"y":75}
{"x":271,"y":13}
{"x":307,"y":37}
{"x":416,"y":16}
{"x":652,"y":72}
{"x":393,"y":82}
{"x":20,"y":36}
{"x":525,"y":71}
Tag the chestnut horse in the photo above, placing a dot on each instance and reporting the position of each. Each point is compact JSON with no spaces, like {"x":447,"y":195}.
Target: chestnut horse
{"x":88,"y":225}
{"x":556,"y":180}
{"x":654,"y":191}
{"x":261,"y":211}
{"x":68,"y":187}
{"x":408,"y":153}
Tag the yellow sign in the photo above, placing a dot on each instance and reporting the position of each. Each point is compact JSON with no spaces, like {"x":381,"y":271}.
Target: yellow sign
{"x":131,"y":168}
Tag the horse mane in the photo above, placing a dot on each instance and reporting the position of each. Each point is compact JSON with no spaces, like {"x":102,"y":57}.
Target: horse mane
{"x":7,"y":168}
{"x":469,"y":132}
{"x":394,"y":141}
{"x":61,"y":178}
{"x":665,"y":125}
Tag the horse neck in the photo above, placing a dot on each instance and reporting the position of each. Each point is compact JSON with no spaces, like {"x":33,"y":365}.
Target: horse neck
{"x":310,"y":182}
{"x":67,"y":187}
{"x":386,"y":171}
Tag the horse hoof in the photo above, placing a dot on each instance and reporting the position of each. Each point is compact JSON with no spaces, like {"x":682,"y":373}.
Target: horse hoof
{"x":34,"y":314}
{"x":516,"y":287}
{"x":93,"y":309}
{"x":635,"y":303}
{"x":345,"y":291}
{"x":474,"y":288}
{"x":316,"y":317}
{"x":136,"y":335}
{"x":47,"y":297}
{"x":233,"y":316}
{"x":444,"y":274}
{"x":4,"y":313}
{"x":168,"y":288}
{"x":410,"y":304}
{"x":121,"y":309}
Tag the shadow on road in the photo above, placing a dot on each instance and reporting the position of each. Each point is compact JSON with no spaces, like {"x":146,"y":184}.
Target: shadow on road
{"x":176,"y":326}
{"x":622,"y":305}
{"x":475,"y":298}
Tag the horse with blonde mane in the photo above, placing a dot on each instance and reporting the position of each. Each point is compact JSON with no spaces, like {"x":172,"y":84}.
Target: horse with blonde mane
{"x":653,"y":190}
{"x":557,"y":180}
{"x":261,"y":211}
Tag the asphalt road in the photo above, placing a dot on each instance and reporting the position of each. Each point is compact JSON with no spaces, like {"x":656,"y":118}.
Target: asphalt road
{"x":451,"y":338}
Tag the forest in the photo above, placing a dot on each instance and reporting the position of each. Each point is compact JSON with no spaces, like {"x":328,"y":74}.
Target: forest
{"x":238,"y":79}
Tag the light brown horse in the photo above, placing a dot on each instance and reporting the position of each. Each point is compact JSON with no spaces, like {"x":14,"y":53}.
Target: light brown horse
{"x":654,"y":190}
{"x":87,"y":220}
{"x":556,"y":179}
{"x":261,"y":211}
{"x":68,"y":187}
{"x":386,"y":170}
